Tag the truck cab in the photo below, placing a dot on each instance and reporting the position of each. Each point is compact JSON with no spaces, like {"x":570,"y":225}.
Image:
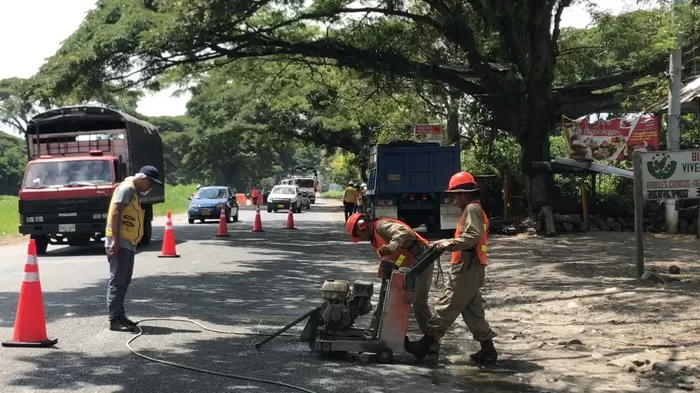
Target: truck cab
{"x":77,"y":158}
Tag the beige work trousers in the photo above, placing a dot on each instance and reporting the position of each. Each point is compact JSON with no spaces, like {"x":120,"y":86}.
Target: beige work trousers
{"x":462,"y":295}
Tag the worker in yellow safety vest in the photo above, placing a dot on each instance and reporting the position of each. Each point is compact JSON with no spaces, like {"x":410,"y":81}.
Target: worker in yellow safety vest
{"x":124,"y":230}
{"x":462,"y":294}
{"x":349,"y":200}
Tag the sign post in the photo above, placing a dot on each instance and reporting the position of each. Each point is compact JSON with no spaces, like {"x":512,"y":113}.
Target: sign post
{"x":662,"y":175}
{"x":638,"y":212}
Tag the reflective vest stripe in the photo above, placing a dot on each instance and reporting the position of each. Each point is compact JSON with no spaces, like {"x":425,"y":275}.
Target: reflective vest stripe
{"x":481,"y":246}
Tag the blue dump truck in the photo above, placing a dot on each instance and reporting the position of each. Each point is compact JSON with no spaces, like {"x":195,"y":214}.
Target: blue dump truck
{"x":407,"y":181}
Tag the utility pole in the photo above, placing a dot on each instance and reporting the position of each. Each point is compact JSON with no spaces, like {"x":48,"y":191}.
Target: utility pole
{"x":673,"y":135}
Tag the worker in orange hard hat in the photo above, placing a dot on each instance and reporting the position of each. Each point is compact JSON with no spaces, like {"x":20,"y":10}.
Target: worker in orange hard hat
{"x":462,"y":294}
{"x":396,"y":241}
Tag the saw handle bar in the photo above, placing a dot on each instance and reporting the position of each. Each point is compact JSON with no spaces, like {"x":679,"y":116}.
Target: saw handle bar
{"x":424,"y":261}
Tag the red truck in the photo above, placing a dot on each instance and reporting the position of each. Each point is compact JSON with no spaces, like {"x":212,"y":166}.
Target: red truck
{"x":77,"y":157}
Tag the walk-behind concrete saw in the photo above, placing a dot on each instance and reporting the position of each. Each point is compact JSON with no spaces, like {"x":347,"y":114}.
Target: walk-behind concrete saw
{"x":330,"y":327}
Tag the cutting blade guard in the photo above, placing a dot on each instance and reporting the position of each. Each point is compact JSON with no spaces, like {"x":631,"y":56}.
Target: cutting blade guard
{"x":424,"y":261}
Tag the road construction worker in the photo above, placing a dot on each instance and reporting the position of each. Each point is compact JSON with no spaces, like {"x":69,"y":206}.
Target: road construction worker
{"x":349,"y":199}
{"x":462,"y":293}
{"x":396,"y":241}
{"x":254,"y":196}
{"x":123,"y":233}
{"x":359,"y":207}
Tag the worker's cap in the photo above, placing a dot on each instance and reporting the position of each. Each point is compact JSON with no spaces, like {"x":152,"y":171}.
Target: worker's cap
{"x":150,"y":172}
{"x":351,"y":183}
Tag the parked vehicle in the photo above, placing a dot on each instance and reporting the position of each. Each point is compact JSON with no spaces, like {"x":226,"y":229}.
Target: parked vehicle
{"x":407,"y":180}
{"x":282,"y":196}
{"x":207,"y":201}
{"x":77,"y":157}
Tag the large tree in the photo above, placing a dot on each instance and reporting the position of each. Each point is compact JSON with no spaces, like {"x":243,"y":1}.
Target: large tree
{"x":502,"y":54}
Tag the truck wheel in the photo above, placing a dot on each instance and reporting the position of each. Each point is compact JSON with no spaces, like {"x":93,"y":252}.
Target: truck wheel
{"x":190,"y":221}
{"x":42,"y":243}
{"x":269,"y":209}
{"x":147,"y":233}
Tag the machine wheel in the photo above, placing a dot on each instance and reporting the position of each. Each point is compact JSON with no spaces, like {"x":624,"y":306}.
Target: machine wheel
{"x":191,"y":221}
{"x":42,"y":243}
{"x":386,"y":355}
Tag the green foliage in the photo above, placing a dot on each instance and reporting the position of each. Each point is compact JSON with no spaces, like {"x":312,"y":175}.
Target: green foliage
{"x":342,"y":168}
{"x":9,"y":215}
{"x":13,"y":158}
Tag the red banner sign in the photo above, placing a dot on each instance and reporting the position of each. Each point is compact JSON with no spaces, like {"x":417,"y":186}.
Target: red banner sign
{"x":610,"y":139}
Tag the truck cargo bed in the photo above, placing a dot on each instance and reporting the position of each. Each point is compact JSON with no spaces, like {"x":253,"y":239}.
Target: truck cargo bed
{"x":414,"y":169}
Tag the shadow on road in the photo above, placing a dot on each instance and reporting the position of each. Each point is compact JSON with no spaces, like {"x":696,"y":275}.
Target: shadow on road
{"x":267,"y":280}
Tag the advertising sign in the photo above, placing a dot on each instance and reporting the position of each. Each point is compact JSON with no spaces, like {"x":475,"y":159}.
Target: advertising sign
{"x":671,"y":175}
{"x":427,"y":133}
{"x":610,"y":139}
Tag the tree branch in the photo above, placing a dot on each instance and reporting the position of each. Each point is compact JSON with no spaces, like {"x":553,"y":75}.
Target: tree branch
{"x":556,"y":32}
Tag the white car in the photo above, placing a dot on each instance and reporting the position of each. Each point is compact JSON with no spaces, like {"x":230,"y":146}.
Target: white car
{"x":281,"y":196}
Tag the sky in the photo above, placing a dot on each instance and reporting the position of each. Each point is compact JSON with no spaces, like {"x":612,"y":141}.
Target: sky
{"x":42,"y":25}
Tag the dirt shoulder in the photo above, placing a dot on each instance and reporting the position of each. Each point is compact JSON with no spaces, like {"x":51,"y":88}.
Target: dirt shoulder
{"x":572,"y":318}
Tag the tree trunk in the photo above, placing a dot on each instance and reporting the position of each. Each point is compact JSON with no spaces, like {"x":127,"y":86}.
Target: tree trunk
{"x":452,"y":134}
{"x":539,"y":186}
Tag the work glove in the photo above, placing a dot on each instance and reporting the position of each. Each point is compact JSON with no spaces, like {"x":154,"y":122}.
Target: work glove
{"x":386,"y":250}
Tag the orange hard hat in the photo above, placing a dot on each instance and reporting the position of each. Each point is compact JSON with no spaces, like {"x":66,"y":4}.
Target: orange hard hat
{"x":462,"y":182}
{"x":352,"y":223}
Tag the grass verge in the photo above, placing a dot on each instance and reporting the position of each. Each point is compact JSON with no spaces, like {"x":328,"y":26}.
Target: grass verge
{"x":175,"y":200}
{"x":333,"y":194}
{"x":9,"y":215}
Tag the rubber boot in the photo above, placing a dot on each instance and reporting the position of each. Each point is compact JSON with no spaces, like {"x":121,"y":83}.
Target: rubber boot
{"x":419,"y":348}
{"x":487,"y":354}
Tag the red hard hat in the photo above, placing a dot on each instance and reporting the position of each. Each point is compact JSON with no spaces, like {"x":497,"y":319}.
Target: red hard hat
{"x":462,"y":182}
{"x":351,"y":224}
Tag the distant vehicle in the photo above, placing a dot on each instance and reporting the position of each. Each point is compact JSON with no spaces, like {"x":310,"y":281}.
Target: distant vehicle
{"x":306,"y":178}
{"x":77,"y":157}
{"x":206,"y":204}
{"x":282,"y":196}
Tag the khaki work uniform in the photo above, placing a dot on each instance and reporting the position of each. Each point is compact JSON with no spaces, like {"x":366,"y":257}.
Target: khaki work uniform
{"x":401,"y":236}
{"x":462,"y":293}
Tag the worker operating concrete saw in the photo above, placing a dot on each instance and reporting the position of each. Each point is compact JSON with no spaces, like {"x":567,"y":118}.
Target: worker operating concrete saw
{"x":394,"y":240}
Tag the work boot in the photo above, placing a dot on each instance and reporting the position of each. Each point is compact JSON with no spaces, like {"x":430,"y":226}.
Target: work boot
{"x":121,"y":324}
{"x":419,"y":348}
{"x":487,"y":353}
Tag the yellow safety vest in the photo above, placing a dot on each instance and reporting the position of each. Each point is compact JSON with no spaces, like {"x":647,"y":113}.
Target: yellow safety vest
{"x":350,"y":195}
{"x":132,"y":217}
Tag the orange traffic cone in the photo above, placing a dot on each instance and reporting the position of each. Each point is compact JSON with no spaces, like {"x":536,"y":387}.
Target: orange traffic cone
{"x":223,"y":228}
{"x":290,"y":218}
{"x":30,"y":322}
{"x":168,"y":248}
{"x":257,"y":224}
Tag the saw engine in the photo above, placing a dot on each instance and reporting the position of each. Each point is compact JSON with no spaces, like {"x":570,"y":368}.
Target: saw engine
{"x":340,"y":306}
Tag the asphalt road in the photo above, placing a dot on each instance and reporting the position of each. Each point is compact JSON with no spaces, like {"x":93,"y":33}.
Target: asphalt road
{"x":248,"y":283}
